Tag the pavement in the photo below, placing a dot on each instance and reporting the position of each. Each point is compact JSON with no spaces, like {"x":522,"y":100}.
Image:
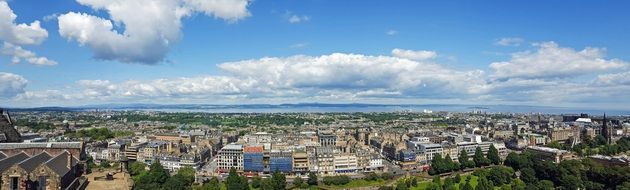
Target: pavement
{"x":121,"y":181}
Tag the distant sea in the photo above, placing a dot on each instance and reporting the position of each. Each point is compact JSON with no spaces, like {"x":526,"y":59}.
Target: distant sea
{"x":337,"y":108}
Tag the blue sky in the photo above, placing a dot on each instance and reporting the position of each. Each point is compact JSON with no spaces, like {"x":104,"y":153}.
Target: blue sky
{"x":214,"y":56}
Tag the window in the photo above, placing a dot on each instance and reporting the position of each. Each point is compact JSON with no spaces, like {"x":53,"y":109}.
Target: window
{"x":41,"y":183}
{"x":14,"y":183}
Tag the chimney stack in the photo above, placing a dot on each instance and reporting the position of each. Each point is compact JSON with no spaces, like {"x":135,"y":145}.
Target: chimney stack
{"x":69,"y":164}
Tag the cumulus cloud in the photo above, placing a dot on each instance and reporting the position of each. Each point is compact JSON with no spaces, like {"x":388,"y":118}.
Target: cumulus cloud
{"x":509,"y":41}
{"x":346,"y":77}
{"x":147,"y":38}
{"x":11,"y":84}
{"x":22,"y":34}
{"x":18,"y":54}
{"x":339,"y":75}
{"x":551,"y":60}
{"x":414,"y":55}
{"x":14,"y":35}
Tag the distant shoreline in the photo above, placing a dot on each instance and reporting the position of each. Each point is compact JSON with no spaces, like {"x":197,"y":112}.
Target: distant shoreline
{"x":327,"y":108}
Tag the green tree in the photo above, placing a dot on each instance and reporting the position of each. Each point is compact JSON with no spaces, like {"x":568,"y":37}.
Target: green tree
{"x":528,"y":175}
{"x":278,"y":181}
{"x":437,"y":180}
{"x":105,"y":164}
{"x":154,"y":179}
{"x":493,"y":155}
{"x":545,"y":185}
{"x":244,"y":184}
{"x":457,"y":178}
{"x":178,"y":181}
{"x":402,"y":186}
{"x":467,"y":186}
{"x":233,"y":180}
{"x":136,"y":168}
{"x":414,"y":182}
{"x":484,"y":184}
{"x":267,"y":184}
{"x":213,"y":184}
{"x":298,"y":182}
{"x":437,"y":165}
{"x":312,"y":178}
{"x":256,"y":182}
{"x":479,"y":159}
{"x":187,"y":171}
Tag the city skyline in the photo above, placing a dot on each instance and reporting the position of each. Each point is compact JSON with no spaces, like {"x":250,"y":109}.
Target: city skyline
{"x":70,"y":53}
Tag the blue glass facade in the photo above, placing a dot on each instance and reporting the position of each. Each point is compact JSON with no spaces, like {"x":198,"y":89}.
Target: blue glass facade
{"x":253,"y":162}
{"x":407,"y":156}
{"x":282,"y":164}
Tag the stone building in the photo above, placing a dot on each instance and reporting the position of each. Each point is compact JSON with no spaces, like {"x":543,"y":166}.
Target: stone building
{"x":48,"y":167}
{"x":7,"y":131}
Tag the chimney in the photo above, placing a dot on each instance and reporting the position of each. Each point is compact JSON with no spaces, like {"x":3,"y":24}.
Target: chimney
{"x":69,"y":163}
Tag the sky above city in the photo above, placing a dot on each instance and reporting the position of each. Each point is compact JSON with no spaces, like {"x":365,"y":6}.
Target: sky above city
{"x":539,"y":53}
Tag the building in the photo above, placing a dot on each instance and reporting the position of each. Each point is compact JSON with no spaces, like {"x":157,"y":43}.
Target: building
{"x":376,"y":163}
{"x":147,"y":153}
{"x":430,"y":150}
{"x":132,"y":150}
{"x":345,"y":163}
{"x":551,"y":154}
{"x":53,"y":165}
{"x":623,"y":160}
{"x":300,"y":162}
{"x":325,"y":160}
{"x":230,"y":156}
{"x":253,"y":159}
{"x":280,"y":160}
{"x":7,"y":131}
{"x":327,"y":138}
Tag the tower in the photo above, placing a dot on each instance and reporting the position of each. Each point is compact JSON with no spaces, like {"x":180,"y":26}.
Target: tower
{"x":606,"y":130}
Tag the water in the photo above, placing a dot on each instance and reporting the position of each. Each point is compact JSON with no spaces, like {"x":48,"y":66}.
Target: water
{"x":379,"y":108}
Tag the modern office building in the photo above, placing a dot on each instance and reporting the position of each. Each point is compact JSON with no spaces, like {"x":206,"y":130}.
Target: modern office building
{"x":253,"y":158}
{"x":280,"y":160}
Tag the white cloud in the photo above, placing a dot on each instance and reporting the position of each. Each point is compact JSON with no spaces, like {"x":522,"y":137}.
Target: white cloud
{"x":22,"y":34}
{"x":11,"y":84}
{"x":15,"y":35}
{"x":147,"y":38}
{"x":391,"y":32}
{"x":414,"y":55}
{"x":50,"y":17}
{"x":509,"y":42}
{"x":550,"y":60}
{"x":294,"y":19}
{"x":18,"y":54}
{"x":615,"y":79}
{"x":338,"y":75}
{"x":299,"y":45}
{"x":343,"y":77}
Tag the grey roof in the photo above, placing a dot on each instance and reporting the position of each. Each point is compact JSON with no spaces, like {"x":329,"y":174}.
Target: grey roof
{"x":5,"y":146}
{"x":9,"y":161}
{"x":31,"y":163}
{"x":60,"y":162}
{"x":2,"y":155}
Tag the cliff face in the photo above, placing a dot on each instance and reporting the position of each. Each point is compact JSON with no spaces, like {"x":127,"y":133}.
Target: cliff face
{"x":7,"y":131}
